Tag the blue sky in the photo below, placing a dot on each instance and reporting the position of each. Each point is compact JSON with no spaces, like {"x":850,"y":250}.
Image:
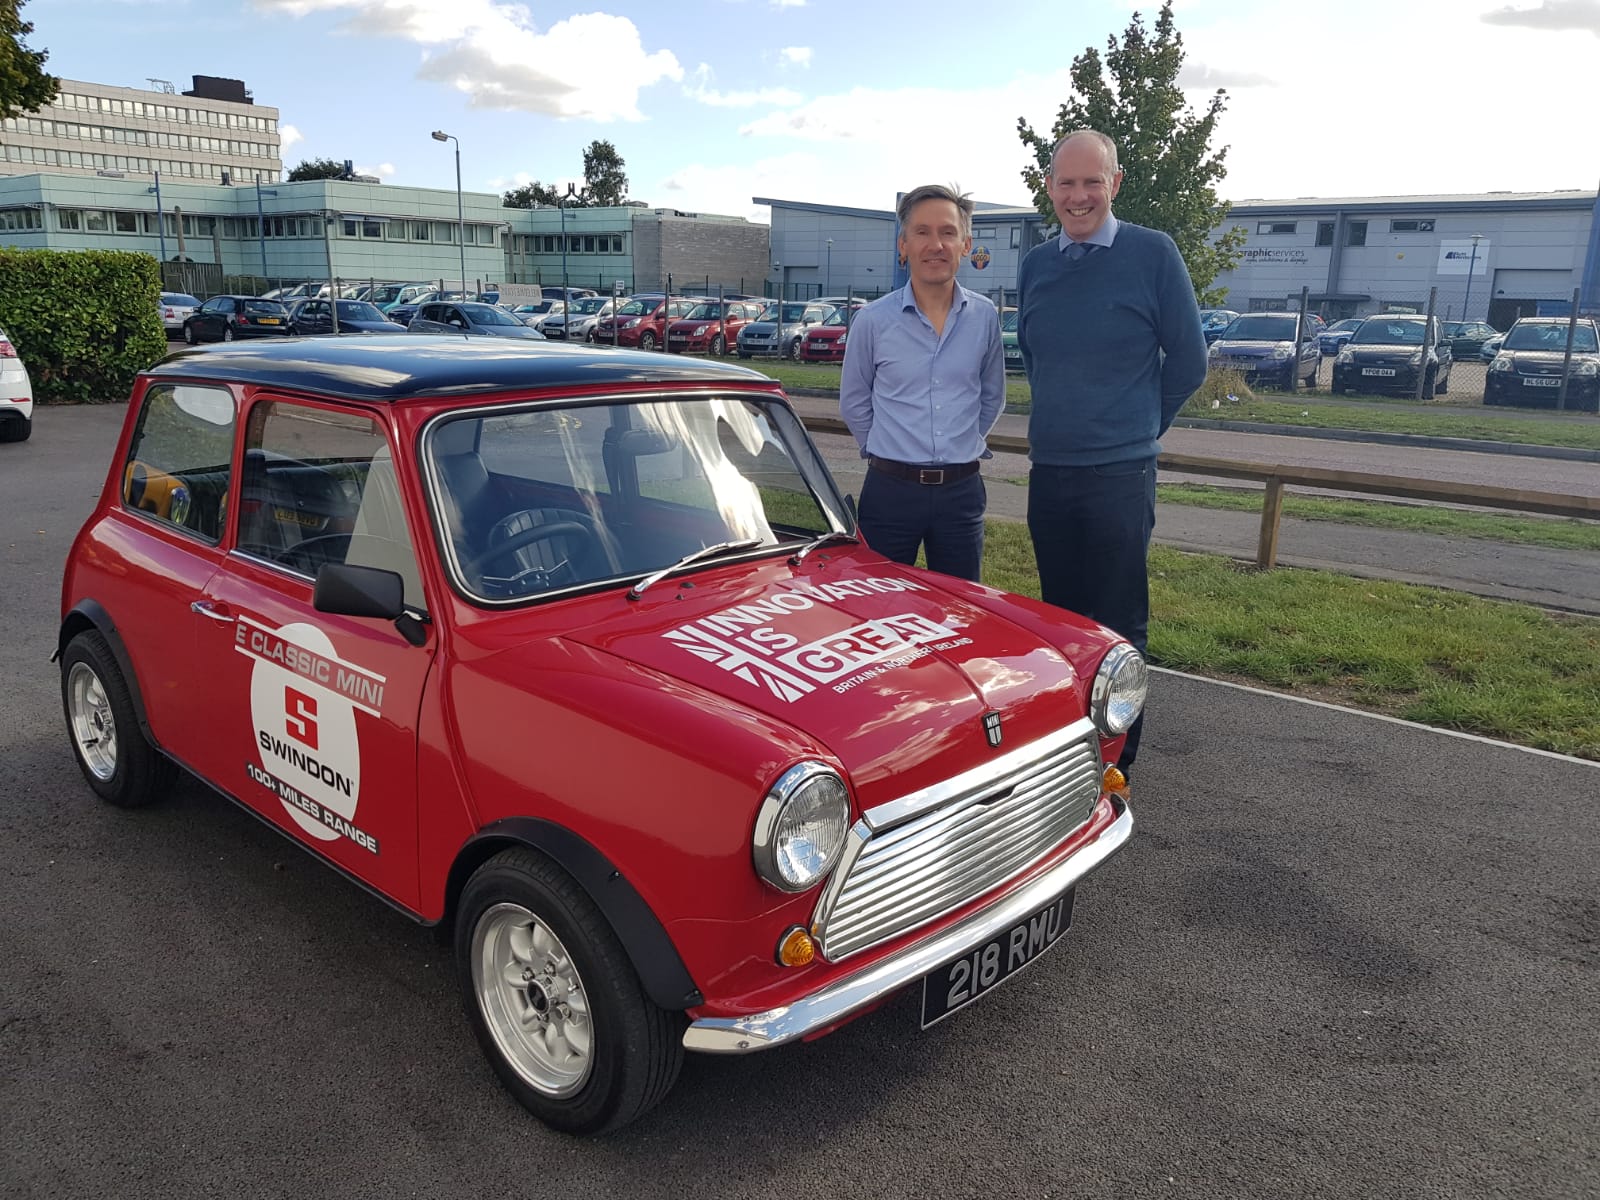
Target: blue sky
{"x":711,"y":102}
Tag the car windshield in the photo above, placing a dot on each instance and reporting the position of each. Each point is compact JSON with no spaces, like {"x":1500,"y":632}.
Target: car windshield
{"x":1379,"y":331}
{"x":637,"y":308}
{"x":622,"y":490}
{"x":1552,"y":338}
{"x":1260,"y":329}
{"x":488,"y":314}
{"x":836,"y":317}
{"x":588,"y":306}
{"x":1211,"y":318}
{"x":1008,"y":323}
{"x":266,"y":308}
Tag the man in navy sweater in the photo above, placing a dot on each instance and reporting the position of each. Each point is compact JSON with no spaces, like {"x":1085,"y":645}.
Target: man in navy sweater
{"x":1110,"y":337}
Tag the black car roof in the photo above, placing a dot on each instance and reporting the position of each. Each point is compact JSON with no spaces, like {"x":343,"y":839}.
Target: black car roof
{"x":400,"y":366}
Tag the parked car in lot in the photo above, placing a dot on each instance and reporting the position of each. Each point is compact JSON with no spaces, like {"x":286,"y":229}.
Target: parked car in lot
{"x":480,"y":320}
{"x":1386,"y":354}
{"x":777,"y":331}
{"x":1332,"y":339}
{"x":826,"y":342}
{"x":1466,"y":338}
{"x":1527,"y":371}
{"x":577,"y":654}
{"x":311,"y":317}
{"x":577,"y":324}
{"x":16,"y":394}
{"x":710,"y":327}
{"x":1214,"y":320}
{"x":1008,"y":339}
{"x":224,"y":318}
{"x":1490,"y":348}
{"x":641,"y":322}
{"x":405,"y":310}
{"x":386,"y":295}
{"x":1269,"y":348}
{"x":176,"y":308}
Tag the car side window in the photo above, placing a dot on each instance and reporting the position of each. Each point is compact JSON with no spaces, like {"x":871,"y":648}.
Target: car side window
{"x":212,"y":305}
{"x":181,"y":457}
{"x":319,"y":487}
{"x":453,"y":316}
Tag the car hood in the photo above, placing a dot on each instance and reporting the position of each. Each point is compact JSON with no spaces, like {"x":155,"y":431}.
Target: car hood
{"x":892,"y":668}
{"x":1546,"y":358}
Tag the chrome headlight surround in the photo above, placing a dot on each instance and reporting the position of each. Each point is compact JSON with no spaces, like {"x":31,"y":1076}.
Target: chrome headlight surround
{"x":1120,"y":687}
{"x":1502,"y":362}
{"x":801,"y":828}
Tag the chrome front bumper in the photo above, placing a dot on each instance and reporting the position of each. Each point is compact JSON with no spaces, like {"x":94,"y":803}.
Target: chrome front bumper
{"x":761,"y":1031}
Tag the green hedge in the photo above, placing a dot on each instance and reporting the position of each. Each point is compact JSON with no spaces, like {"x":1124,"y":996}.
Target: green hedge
{"x":84,"y":321}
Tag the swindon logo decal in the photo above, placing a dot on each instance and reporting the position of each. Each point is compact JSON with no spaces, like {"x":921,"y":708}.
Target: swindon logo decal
{"x":745,"y":640}
{"x":303,"y":702}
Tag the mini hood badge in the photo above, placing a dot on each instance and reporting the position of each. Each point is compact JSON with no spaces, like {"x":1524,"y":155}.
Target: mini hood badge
{"x":991,"y":727}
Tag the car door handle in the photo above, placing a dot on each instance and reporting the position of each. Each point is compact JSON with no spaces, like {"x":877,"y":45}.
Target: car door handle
{"x":216,"y":612}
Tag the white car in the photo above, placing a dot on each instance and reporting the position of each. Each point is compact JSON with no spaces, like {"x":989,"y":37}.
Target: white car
{"x":16,"y":394}
{"x":175,"y":309}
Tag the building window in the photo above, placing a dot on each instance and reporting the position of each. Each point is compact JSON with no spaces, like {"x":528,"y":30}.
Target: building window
{"x":443,"y":232}
{"x":574,"y":244}
{"x":19,"y":218}
{"x":350,"y":227}
{"x":588,"y":244}
{"x":1411,"y":226}
{"x":371,"y":227}
{"x":1275,"y":227}
{"x":1324,"y":233}
{"x":126,"y":222}
{"x":419,"y":231}
{"x":1355,"y":233}
{"x":96,"y":221}
{"x":1016,"y":237}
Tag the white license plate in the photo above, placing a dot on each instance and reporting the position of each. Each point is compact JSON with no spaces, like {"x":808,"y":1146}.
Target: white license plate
{"x":1542,"y":381}
{"x":957,"y":984}
{"x":1377,"y":370}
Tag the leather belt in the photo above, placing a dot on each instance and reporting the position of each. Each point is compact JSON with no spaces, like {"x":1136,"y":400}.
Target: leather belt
{"x":927,"y":476}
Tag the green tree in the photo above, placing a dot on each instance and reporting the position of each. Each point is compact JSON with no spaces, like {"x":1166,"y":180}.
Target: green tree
{"x":24,"y":85}
{"x":604,"y":181}
{"x":1164,"y":147}
{"x":531,"y":195}
{"x":317,"y":168}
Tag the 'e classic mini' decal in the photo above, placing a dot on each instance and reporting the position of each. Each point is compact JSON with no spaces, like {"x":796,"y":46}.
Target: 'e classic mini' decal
{"x":303,"y":701}
{"x":746,"y":640}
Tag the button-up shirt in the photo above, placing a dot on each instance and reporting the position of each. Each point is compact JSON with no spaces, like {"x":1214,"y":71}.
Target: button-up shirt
{"x":1103,"y":236}
{"x":917,"y":396}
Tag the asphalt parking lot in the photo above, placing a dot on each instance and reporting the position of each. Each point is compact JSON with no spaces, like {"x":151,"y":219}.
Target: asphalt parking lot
{"x":1341,"y":957}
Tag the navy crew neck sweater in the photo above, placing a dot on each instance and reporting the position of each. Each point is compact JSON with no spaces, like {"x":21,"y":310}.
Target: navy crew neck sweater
{"x":1112,"y":346}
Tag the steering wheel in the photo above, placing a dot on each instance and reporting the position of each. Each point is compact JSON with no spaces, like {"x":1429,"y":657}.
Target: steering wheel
{"x":529,"y":578}
{"x":314,"y":551}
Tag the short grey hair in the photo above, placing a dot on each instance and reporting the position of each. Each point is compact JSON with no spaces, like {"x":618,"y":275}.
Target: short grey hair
{"x":936,"y":191}
{"x":1107,"y":147}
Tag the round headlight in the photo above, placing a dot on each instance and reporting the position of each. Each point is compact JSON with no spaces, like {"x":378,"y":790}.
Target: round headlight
{"x":1120,"y":686}
{"x":801,"y":827}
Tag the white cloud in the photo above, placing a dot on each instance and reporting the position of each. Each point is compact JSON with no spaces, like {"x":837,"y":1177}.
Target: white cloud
{"x":1201,"y":75}
{"x":288,"y":135}
{"x":1551,"y":14}
{"x":788,"y":3}
{"x":795,"y":56}
{"x":700,"y":89}
{"x":382,"y":170}
{"x":591,"y":66}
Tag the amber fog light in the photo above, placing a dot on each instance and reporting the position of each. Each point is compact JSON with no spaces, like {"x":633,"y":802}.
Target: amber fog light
{"x":795,"y":948}
{"x":1114,"y":781}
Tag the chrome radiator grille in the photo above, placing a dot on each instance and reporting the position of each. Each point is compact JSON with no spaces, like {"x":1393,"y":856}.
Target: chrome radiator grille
{"x":985,"y":828}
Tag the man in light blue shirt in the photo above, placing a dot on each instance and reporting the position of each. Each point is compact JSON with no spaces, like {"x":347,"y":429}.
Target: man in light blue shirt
{"x":924,"y":382}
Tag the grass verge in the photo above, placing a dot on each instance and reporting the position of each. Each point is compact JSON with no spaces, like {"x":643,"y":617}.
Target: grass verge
{"x":1443,"y":658}
{"x":1557,"y":532}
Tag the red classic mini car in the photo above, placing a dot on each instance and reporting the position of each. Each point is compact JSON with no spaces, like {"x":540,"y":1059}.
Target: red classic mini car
{"x":576,"y":653}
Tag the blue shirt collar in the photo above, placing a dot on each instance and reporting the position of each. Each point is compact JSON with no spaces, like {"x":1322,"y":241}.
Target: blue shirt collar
{"x":1100,"y":237}
{"x":908,"y":298}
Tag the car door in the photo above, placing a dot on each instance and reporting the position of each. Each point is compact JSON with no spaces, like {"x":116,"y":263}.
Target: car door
{"x":313,"y":716}
{"x":313,"y":317}
{"x":210,"y":317}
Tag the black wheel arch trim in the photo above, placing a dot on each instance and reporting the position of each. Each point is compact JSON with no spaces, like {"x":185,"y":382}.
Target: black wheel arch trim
{"x":643,"y":937}
{"x":86,"y":614}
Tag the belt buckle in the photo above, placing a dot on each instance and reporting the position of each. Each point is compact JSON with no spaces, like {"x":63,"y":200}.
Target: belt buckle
{"x":930,"y":476}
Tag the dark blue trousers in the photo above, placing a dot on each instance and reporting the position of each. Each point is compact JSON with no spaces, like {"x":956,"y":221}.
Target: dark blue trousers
{"x":1091,"y":531}
{"x":897,"y":516}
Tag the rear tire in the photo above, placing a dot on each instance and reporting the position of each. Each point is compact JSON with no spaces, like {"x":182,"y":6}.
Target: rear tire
{"x":794,"y":351}
{"x":189,"y":335}
{"x":554,"y":1000}
{"x":227,"y":333}
{"x":16,"y":431}
{"x":121,"y":766}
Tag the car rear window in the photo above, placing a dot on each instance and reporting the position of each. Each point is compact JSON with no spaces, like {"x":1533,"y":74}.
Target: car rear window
{"x":266,"y":308}
{"x":180,"y":299}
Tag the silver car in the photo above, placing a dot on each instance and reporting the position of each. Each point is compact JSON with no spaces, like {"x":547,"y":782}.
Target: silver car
{"x":771,"y":337}
{"x":577,"y":325}
{"x":175,"y":308}
{"x":470,"y":317}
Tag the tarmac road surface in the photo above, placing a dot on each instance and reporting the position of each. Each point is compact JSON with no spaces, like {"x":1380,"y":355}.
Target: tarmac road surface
{"x":1341,"y":957}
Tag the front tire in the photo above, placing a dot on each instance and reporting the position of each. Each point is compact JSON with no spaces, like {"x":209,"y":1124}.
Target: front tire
{"x":554,"y":1000}
{"x":121,"y":766}
{"x":227,"y":333}
{"x":718,"y":346}
{"x":794,"y":351}
{"x":189,"y":335}
{"x":647,"y":340}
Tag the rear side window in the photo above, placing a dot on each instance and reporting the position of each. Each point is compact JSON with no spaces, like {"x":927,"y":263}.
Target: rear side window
{"x":180,"y":459}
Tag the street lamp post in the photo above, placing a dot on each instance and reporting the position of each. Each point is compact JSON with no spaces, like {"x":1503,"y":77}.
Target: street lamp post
{"x":827,"y":284}
{"x":1471,"y":264}
{"x":161,"y":220}
{"x":261,"y":223}
{"x":562,"y":205}
{"x":461,"y":225}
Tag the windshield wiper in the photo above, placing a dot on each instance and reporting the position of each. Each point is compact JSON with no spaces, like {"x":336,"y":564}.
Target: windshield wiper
{"x":833,"y":535}
{"x":693,"y":556}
